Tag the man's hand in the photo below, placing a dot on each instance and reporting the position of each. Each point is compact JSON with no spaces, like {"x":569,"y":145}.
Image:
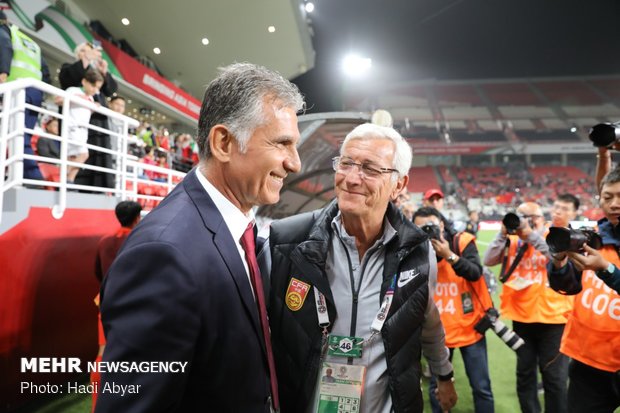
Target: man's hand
{"x":3,"y":77}
{"x":593,"y":260}
{"x":442,"y":247}
{"x":102,"y":66}
{"x":524,"y":229}
{"x":446,"y":394}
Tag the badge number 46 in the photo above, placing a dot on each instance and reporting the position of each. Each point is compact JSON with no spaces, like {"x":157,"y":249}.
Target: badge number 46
{"x":345,"y":346}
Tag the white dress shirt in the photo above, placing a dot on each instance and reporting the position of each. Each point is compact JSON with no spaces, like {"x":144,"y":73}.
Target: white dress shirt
{"x":235,"y":220}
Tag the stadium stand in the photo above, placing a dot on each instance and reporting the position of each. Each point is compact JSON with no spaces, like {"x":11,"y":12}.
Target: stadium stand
{"x":421,"y":179}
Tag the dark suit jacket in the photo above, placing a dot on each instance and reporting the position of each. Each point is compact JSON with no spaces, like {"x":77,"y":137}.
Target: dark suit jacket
{"x":178,"y":291}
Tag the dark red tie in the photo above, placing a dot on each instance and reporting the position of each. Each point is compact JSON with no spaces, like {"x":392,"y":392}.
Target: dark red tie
{"x":249,"y":246}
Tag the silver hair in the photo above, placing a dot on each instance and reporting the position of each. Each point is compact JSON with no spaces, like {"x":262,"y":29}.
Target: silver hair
{"x":402,"y":154}
{"x":235,"y":99}
{"x":78,"y":49}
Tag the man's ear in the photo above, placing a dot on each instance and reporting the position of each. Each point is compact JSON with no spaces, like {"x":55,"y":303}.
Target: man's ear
{"x":401,"y":184}
{"x":221,"y":143}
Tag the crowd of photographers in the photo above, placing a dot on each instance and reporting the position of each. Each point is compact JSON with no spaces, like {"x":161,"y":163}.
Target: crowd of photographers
{"x":560,"y":290}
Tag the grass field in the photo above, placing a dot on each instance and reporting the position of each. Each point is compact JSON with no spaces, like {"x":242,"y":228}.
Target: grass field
{"x":502,"y":366}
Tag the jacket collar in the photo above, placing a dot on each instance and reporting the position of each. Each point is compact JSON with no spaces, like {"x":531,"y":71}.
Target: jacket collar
{"x":610,"y":235}
{"x":408,"y":235}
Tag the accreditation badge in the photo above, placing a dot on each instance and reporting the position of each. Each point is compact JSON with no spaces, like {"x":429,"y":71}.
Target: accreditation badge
{"x":467,"y":303}
{"x":344,"y":346}
{"x":519,"y":283}
{"x":340,"y":388}
{"x":296,"y":294}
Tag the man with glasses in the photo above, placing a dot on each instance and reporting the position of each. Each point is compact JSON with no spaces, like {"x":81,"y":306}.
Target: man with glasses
{"x":538,"y":312}
{"x":350,"y":290}
{"x":564,"y":210}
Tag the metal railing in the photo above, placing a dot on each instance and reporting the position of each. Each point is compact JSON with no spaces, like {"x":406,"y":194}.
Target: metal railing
{"x":126,"y":167}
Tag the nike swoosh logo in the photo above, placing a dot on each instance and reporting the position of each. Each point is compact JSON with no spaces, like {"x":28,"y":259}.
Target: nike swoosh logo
{"x":406,"y":277}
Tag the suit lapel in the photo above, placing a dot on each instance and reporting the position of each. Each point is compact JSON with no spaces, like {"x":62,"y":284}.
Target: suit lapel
{"x":228,"y":250}
{"x":226,"y":246}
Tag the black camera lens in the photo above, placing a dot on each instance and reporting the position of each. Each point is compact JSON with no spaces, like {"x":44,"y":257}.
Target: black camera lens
{"x":562,"y":239}
{"x":604,"y":135}
{"x":491,"y":320}
{"x":511,"y":221}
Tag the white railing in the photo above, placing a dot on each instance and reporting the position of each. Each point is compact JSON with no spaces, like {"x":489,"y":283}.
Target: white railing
{"x":126,"y":167}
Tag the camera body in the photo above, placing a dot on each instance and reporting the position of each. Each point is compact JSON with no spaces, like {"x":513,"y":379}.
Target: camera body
{"x":562,"y":239}
{"x":432,"y":230}
{"x":511,"y":222}
{"x":491,"y":320}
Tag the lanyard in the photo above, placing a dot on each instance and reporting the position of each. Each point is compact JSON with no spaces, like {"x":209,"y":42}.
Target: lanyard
{"x":377,"y":323}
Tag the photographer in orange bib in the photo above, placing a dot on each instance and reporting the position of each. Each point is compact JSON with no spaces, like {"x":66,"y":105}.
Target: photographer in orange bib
{"x":462,"y":299}
{"x":537,"y":312}
{"x":592,"y":335}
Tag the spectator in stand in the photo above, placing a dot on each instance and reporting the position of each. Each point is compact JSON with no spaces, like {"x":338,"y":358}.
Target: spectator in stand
{"x":48,"y":147}
{"x":79,"y":116}
{"x":462,"y":299}
{"x":161,"y":161}
{"x":149,"y":159}
{"x":117,"y":104}
{"x":71,"y":74}
{"x":434,"y":198}
{"x":472,"y":225}
{"x":21,"y":58}
{"x":539,"y":314}
{"x":592,"y":336}
{"x":184,"y":156}
{"x":146,"y":133}
{"x":163,"y":140}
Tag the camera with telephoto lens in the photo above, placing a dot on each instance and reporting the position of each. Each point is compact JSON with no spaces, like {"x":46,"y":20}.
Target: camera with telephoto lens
{"x":562,"y":239}
{"x":604,"y":135}
{"x":491,"y":320}
{"x":432,"y":230}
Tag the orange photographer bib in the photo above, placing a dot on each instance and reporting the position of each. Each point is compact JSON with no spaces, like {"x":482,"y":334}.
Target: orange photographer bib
{"x":526,"y":295}
{"x":461,"y":303}
{"x":592,"y":334}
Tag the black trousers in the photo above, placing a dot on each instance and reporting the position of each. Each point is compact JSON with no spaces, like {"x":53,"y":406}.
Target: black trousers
{"x":541,"y":351}
{"x":592,"y":390}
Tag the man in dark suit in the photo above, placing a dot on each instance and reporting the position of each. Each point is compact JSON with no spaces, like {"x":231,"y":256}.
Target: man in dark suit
{"x":181,"y":288}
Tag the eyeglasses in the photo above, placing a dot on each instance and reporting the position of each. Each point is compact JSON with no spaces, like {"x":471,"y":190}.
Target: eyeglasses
{"x":95,"y":44}
{"x":345,"y":165}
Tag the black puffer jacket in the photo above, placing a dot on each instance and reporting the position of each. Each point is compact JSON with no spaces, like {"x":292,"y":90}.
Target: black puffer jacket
{"x":299,"y":247}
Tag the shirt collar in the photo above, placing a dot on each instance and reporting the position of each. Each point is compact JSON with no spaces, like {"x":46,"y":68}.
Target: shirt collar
{"x":235,"y":220}
{"x":388,"y":231}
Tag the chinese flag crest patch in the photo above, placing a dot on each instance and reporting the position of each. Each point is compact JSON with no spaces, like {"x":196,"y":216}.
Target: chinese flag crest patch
{"x":296,"y":294}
